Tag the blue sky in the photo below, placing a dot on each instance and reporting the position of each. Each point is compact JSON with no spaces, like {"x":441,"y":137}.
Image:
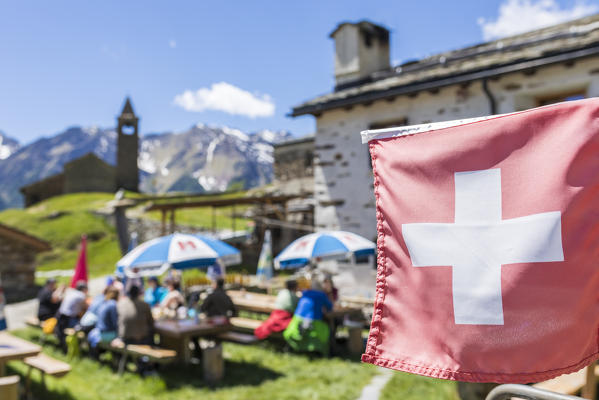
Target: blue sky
{"x":65,"y":63}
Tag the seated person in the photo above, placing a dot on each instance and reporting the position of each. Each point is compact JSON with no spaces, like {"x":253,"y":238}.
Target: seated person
{"x":281,"y":316}
{"x":135,"y":321}
{"x":173,"y":298}
{"x":134,"y":278}
{"x":49,"y":298}
{"x":155,"y":293}
{"x":107,"y":325}
{"x":89,"y":319}
{"x":71,"y":309}
{"x":330,"y":289}
{"x":218,"y":303}
{"x":307,"y":330}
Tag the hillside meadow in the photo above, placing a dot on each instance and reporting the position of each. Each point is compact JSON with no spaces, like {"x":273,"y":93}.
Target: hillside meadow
{"x":63,"y":219}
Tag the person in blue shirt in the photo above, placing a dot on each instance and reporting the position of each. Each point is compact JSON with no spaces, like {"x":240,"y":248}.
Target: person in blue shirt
{"x":307,"y":331}
{"x":107,"y":325}
{"x":155,"y":292}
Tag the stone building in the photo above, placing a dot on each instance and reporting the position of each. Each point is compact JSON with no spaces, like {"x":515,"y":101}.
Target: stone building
{"x":17,"y":270}
{"x":91,"y":174}
{"x":544,"y":66}
{"x":294,"y":165}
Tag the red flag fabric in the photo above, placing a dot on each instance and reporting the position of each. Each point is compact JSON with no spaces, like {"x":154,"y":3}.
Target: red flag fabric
{"x":488,"y":246}
{"x":81,"y":267}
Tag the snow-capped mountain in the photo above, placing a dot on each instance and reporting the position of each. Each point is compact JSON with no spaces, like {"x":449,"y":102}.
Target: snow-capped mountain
{"x":8,"y":146}
{"x":200,"y":159}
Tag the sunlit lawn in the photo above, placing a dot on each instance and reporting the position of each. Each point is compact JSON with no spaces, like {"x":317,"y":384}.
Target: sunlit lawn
{"x":251,"y":372}
{"x":406,"y":386}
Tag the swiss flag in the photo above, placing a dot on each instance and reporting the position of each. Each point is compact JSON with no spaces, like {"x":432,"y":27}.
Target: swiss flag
{"x":488,"y":239}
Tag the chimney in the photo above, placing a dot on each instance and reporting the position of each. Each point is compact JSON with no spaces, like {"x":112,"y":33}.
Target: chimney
{"x":361,"y":48}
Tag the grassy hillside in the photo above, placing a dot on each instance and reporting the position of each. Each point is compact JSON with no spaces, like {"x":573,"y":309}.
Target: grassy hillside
{"x":62,"y":220}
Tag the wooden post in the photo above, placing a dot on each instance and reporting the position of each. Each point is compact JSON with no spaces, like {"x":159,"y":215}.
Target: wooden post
{"x":163,"y":224}
{"x":213,"y":363}
{"x":589,"y":391}
{"x":213,"y":220}
{"x":233,"y":217}
{"x":355,"y":344}
{"x":172,"y":230}
{"x":9,"y":387}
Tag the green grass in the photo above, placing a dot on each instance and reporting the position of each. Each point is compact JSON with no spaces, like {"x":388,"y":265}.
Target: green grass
{"x":415,"y":387}
{"x":251,"y":372}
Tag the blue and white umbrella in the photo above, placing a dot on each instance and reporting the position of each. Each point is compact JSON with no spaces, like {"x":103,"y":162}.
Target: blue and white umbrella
{"x":179,"y":251}
{"x":321,"y":246}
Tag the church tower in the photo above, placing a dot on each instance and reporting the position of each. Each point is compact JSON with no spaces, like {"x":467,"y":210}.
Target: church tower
{"x":127,"y":172}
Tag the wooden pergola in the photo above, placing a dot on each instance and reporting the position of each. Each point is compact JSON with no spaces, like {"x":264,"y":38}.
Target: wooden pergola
{"x":168,"y":210}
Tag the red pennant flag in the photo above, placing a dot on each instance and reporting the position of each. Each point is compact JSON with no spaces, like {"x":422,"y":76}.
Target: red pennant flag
{"x":81,"y":267}
{"x":488,"y":239}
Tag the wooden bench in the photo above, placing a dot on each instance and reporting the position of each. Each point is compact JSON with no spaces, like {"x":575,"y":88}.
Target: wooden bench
{"x":47,"y":366}
{"x":244,"y":324}
{"x":248,"y":325}
{"x":33,"y":322}
{"x":134,"y":351}
{"x":238,"y":337}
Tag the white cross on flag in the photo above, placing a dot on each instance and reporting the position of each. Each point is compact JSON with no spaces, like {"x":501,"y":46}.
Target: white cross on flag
{"x":488,"y":237}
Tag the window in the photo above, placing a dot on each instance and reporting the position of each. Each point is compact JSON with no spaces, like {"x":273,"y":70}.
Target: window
{"x":389,"y":123}
{"x":568,"y":96}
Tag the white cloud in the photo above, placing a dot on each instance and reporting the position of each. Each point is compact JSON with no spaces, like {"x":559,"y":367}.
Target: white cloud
{"x":517,"y":16}
{"x":172,"y":44}
{"x":225,"y":97}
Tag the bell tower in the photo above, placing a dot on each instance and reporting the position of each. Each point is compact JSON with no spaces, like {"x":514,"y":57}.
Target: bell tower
{"x":127,"y":172}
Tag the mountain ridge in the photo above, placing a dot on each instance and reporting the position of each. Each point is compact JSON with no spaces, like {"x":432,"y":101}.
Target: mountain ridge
{"x":203,"y":158}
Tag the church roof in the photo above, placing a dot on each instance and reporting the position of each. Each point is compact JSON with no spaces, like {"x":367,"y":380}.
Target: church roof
{"x":555,"y":44}
{"x":127,"y":109}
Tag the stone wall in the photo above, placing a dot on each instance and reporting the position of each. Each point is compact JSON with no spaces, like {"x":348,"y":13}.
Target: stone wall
{"x":343,"y":180}
{"x":294,"y":160}
{"x":17,"y":269}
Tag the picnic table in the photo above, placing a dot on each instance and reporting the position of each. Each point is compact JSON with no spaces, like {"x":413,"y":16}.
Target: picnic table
{"x":14,"y":348}
{"x":265,"y":303}
{"x":177,"y":334}
{"x":253,"y":302}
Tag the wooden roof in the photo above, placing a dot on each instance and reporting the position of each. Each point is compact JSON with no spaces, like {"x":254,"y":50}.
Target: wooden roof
{"x":15,"y":234}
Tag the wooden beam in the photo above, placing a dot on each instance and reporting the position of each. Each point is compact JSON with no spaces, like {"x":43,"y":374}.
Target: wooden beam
{"x":213,"y":220}
{"x":172,"y":229}
{"x":223,"y":202}
{"x":163,"y":223}
{"x":233,"y":217}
